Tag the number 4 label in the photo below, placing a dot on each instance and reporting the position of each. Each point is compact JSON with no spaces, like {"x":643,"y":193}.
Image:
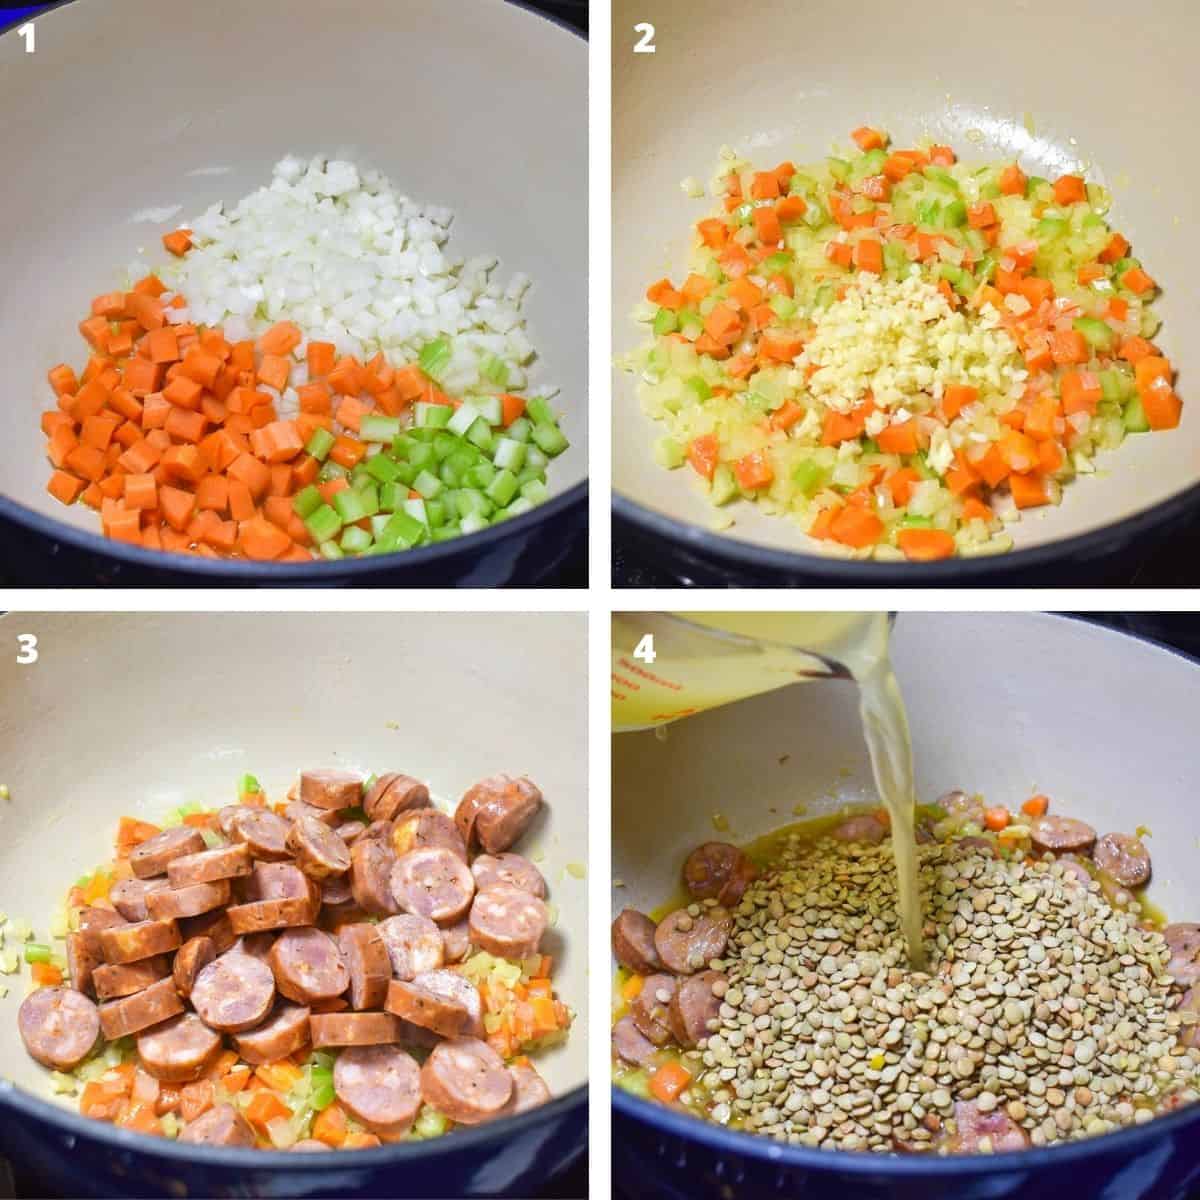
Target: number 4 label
{"x":645,"y":45}
{"x":27,"y":32}
{"x":27,"y":651}
{"x":645,"y":650}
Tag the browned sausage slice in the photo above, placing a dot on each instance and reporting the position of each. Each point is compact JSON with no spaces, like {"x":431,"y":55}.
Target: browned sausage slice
{"x":190,"y":959}
{"x":336,"y":891}
{"x":495,"y":812}
{"x":220,"y":1126}
{"x":456,"y":941}
{"x":865,"y":827}
{"x":379,"y":1086}
{"x":630,"y":1044}
{"x":719,"y":871}
{"x":327,"y":787}
{"x":171,"y":903}
{"x":283,"y":1032}
{"x":424,"y":828}
{"x":962,"y":805}
{"x":450,"y":985}
{"x":650,"y":1008}
{"x":1183,"y":940}
{"x":297,"y":809}
{"x":381,"y":831}
{"x":1061,"y":834}
{"x":1124,"y":857}
{"x":59,"y":1026}
{"x":686,"y":943}
{"x":529,"y":1089}
{"x":210,"y":866}
{"x":973,"y":1125}
{"x":264,"y":832}
{"x":94,"y":919}
{"x":354,"y":1029}
{"x":234,"y":992}
{"x":371,"y":863}
{"x":693,"y":1006}
{"x":81,"y":962}
{"x":433,"y":883}
{"x":440,"y":1014}
{"x":466,"y":1080}
{"x":227,"y":817}
{"x":153,"y":855}
{"x":319,"y":851}
{"x":260,"y":915}
{"x":508,"y":922}
{"x":1189,"y":1003}
{"x":213,"y":925}
{"x":129,"y":896}
{"x":280,"y":881}
{"x":414,"y":944}
{"x":144,"y":939}
{"x":633,"y":942}
{"x":180,"y":1050}
{"x":513,"y":869}
{"x":308,"y":966}
{"x":394,"y":793}
{"x":112,"y":981}
{"x":350,"y":832}
{"x":365,"y":954}
{"x":119,"y":1018}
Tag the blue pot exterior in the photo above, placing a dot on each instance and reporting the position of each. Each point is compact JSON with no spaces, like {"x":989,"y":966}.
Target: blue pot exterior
{"x":664,"y":1153}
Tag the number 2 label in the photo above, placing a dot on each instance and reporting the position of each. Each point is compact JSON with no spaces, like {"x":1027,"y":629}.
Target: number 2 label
{"x":645,"y":45}
{"x":27,"y":651}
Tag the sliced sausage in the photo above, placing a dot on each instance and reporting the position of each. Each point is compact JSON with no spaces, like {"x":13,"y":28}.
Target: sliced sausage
{"x":366,"y":956}
{"x":227,"y":818}
{"x":693,"y":1006}
{"x":633,"y":942}
{"x":350,"y":831}
{"x":379,"y":1086}
{"x":962,"y":805}
{"x":297,"y":809}
{"x":220,"y":1126}
{"x":414,"y":944}
{"x":234,"y":992}
{"x":171,"y":903}
{"x":319,"y":851}
{"x":260,"y":915}
{"x":190,"y":959}
{"x":112,"y":981}
{"x":441,"y":1001}
{"x":59,"y":1026}
{"x":81,"y":962}
{"x":308,"y":966}
{"x":508,"y":922}
{"x":972,"y":1126}
{"x":512,"y":869}
{"x":144,"y":939}
{"x":152,"y":1005}
{"x":495,"y":812}
{"x":354,"y":1029}
{"x":1189,"y":1004}
{"x":336,"y":890}
{"x":451,"y":985}
{"x":650,"y":1008}
{"x":327,"y":787}
{"x":380,"y":831}
{"x":153,"y":855}
{"x":129,"y":896}
{"x":718,"y":870}
{"x":865,"y":827}
{"x":307,"y":1144}
{"x":264,"y":832}
{"x":392,"y":794}
{"x":424,"y":828}
{"x":371,"y":863}
{"x":280,"y":881}
{"x":179,"y":1051}
{"x":529,"y":1089}
{"x":1074,"y":870}
{"x":1061,"y":835}
{"x":283,"y":1032}
{"x":214,"y":925}
{"x":1124,"y":857}
{"x":257,"y":945}
{"x":1183,"y":940}
{"x":630,"y":1044}
{"x":94,"y":919}
{"x":686,"y":943}
{"x":456,"y":941}
{"x":210,"y":866}
{"x":974,"y":845}
{"x":466,"y":1080}
{"x":433,"y":883}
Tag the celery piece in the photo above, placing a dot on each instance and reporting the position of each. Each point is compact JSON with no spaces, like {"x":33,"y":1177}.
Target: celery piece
{"x":895,"y":258}
{"x":390,"y":497}
{"x":428,"y":485}
{"x":249,"y":786}
{"x":405,"y":530}
{"x":464,"y":417}
{"x":503,"y":488}
{"x":36,"y":952}
{"x":324,"y":523}
{"x":431,"y":414}
{"x":668,"y":453}
{"x":534,"y":491}
{"x":519,"y":430}
{"x":434,"y":357}
{"x":382,"y":468}
{"x":1096,"y":333}
{"x":839,"y":168}
{"x":376,"y":428}
{"x":823,"y":297}
{"x":444,"y":446}
{"x":489,"y":408}
{"x":954,"y":214}
{"x":870,"y":446}
{"x":480,"y":475}
{"x":509,"y":454}
{"x":406,"y":473}
{"x":1134,"y":416}
{"x":474,"y":523}
{"x":777,"y":262}
{"x":1114,"y":385}
{"x":320,"y":444}
{"x":549,"y":439}
{"x":756,"y":402}
{"x":809,"y":477}
{"x":425,"y":454}
{"x":306,"y":501}
{"x":929,"y":212}
{"x":784,"y":307}
{"x":435,"y":513}
{"x":480,"y":434}
{"x":416,"y":510}
{"x":447,"y":532}
{"x":724,"y":485}
{"x":349,"y":506}
{"x":1049,"y":228}
{"x":355,"y":540}
{"x":332,"y":470}
{"x":540,"y":412}
{"x":909,"y":521}
{"x":331,"y":550}
{"x":368,"y":493}
{"x":815,"y":216}
{"x":665,"y":321}
{"x":939,"y":174}
{"x":495,"y":370}
{"x":697,"y":383}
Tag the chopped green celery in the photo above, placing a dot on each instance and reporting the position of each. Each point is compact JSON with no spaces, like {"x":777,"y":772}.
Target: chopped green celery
{"x":742,"y":214}
{"x":382,"y":468}
{"x":1096,"y":333}
{"x":665,"y":321}
{"x":407,"y":473}
{"x":823,"y":297}
{"x":1134,"y":416}
{"x":425,"y":454}
{"x":369,"y":495}
{"x":464,"y":417}
{"x":516,"y":508}
{"x":36,"y":952}
{"x":463,"y":457}
{"x":691,"y":326}
{"x":404,"y":530}
{"x":427,"y":484}
{"x":724,"y":485}
{"x":921,"y":465}
{"x":377,"y":428}
{"x":379,"y":523}
{"x":390,"y":497}
{"x":815,"y":215}
{"x":321,"y":1095}
{"x":331,"y":550}
{"x":530,"y":473}
{"x":895,"y":258}
{"x":540,"y":412}
{"x":940,"y":175}
{"x":668,"y":453}
{"x":1051,"y":227}
{"x":509,"y":454}
{"x":784,"y":307}
{"x":470,"y":500}
{"x":435,"y":513}
{"x":929,"y":212}
{"x":434,"y":357}
{"x":839,"y":168}
{"x":549,"y":439}
{"x":870,"y":446}
{"x":987,"y":267}
{"x":756,"y":402}
{"x":802,"y":185}
{"x":698,"y":385}
{"x":306,"y":501}
{"x":502,"y":489}
{"x":474,"y":523}
{"x":350,"y":506}
{"x":954,"y":214}
{"x":959,"y":279}
{"x":495,"y":370}
{"x":248,"y":785}
{"x":534,"y":491}
{"x":637,"y":1083}
{"x":989,"y":191}
{"x":1114,"y":385}
{"x":445,"y":533}
{"x":519,"y":430}
{"x":909,"y":521}
{"x":332,"y":470}
{"x":355,"y":540}
{"x":869,"y":163}
{"x":1035,"y":183}
{"x":358,"y":475}
{"x":431,"y":414}
{"x":449,"y":474}
{"x":320,"y":444}
{"x":809,"y":477}
{"x":534,"y":458}
{"x":444,"y":444}
{"x":779,"y":261}
{"x":416,"y":510}
{"x":324,"y":522}
{"x":481,"y":474}
{"x":489,"y":408}
{"x":1122,"y":265}
{"x":480,"y":434}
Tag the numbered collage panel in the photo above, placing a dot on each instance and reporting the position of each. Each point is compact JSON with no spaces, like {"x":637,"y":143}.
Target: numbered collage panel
{"x":871,"y":920}
{"x":877,"y":323}
{"x":311,"y":883}
{"x":296,"y":340}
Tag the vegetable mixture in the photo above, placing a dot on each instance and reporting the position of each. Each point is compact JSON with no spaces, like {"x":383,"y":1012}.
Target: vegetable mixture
{"x":349,"y":967}
{"x":775,"y":997}
{"x":346,"y":390}
{"x":900,"y":351}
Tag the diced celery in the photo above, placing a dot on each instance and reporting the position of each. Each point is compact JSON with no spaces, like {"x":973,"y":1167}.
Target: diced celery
{"x":435,"y":513}
{"x":503,"y":488}
{"x":331,"y":550}
{"x":355,"y":540}
{"x":470,"y":500}
{"x":474,"y":523}
{"x":480,"y":475}
{"x":665,"y":322}
{"x":382,"y":467}
{"x":306,"y":501}
{"x":535,"y":459}
{"x":1114,"y":385}
{"x":895,"y":258}
{"x":489,"y":408}
{"x":777,"y":262}
{"x":809,"y":477}
{"x":480,"y":434}
{"x":37,"y":952}
{"x":427,"y":484}
{"x":1096,"y":333}
{"x":509,"y":454}
{"x":320,"y":444}
{"x":495,"y":370}
{"x":549,"y":439}
{"x":464,"y":417}
{"x":445,"y":533}
{"x":405,"y":530}
{"x":784,"y":307}
{"x":406,"y":473}
{"x":324,"y":523}
{"x":369,"y":495}
{"x":1049,"y":228}
{"x":416,"y":510}
{"x":519,"y":506}
{"x":954,"y":214}
{"x":519,"y":430}
{"x":910,"y":521}
{"x":668,"y":453}
{"x":332,"y":470}
{"x":434,"y":357}
{"x":425,"y":454}
{"x":444,"y":445}
{"x":534,"y":491}
{"x":724,"y":485}
{"x":349,"y":506}
{"x":431,"y":415}
{"x":376,"y":428}
{"x":696,"y":383}
{"x":839,"y":168}
{"x":540,"y":412}
{"x":1134,"y":416}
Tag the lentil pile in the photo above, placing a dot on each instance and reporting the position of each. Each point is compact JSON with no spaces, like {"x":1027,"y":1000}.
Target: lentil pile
{"x":1048,"y":1012}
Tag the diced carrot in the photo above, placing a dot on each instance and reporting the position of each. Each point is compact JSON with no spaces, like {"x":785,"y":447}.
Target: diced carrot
{"x":1162,"y":407}
{"x":996,"y":819}
{"x":1136,"y":280}
{"x":1069,"y":189}
{"x":330,"y":1125}
{"x":943,"y":156}
{"x":145,"y":309}
{"x":185,"y":425}
{"x":899,"y":438}
{"x":1068,"y":346}
{"x":753,"y":471}
{"x":347,"y":452}
{"x":1050,"y":457}
{"x":981,"y":215}
{"x":1116,"y":247}
{"x":764,"y":186}
{"x":1118,"y":309}
{"x":263,"y":1108}
{"x":200,"y":367}
{"x":668,"y":1081}
{"x":1149,"y":368}
{"x":1133,"y":349}
{"x":867,"y":138}
{"x":1013,"y":181}
{"x":702,"y":454}
{"x":254,"y":474}
{"x":956,"y":397}
{"x":273,"y":370}
{"x":664,"y":294}
{"x":62,"y":380}
{"x":791,"y":208}
{"x":64,"y":488}
{"x":184,"y":392}
{"x":786,"y":415}
{"x":1036,"y":806}
{"x":841,"y":253}
{"x":141,"y":492}
{"x":1080,"y":392}
{"x":142,"y":376}
{"x":177,"y":507}
{"x":766,"y":225}
{"x":713,"y":232}
{"x":868,"y":255}
{"x":1028,"y":490}
{"x":857,"y":527}
{"x":178,"y":241}
{"x":260,"y":540}
{"x":1036,"y":290}
{"x":975,"y":510}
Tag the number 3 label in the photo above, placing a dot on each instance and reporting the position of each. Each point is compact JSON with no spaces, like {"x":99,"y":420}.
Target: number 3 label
{"x":645,"y":45}
{"x":27,"y":651}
